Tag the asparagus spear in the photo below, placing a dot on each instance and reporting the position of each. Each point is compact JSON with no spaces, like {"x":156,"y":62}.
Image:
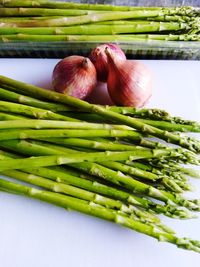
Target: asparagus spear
{"x":135,"y":27}
{"x":132,"y":135}
{"x":185,"y":155}
{"x":46,"y":133}
{"x":170,"y":124}
{"x":98,"y":144}
{"x":9,"y":12}
{"x":67,"y":5}
{"x":165,"y":18}
{"x":171,"y":183}
{"x":10,"y":96}
{"x":174,"y":167}
{"x":180,"y":18}
{"x":94,"y":38}
{"x":98,"y":211}
{"x":135,"y":212}
{"x":32,"y":111}
{"x":8,"y":117}
{"x":186,"y":142}
{"x":74,"y":178}
{"x":155,"y":114}
{"x":173,"y":126}
{"x":85,"y":195}
{"x":91,"y":144}
{"x":61,"y":175}
{"x":105,"y":173}
{"x":163,"y":170}
{"x":60,"y":5}
{"x":164,"y":181}
{"x":78,"y":20}
{"x":80,"y":157}
{"x":43,"y":124}
{"x":36,"y":146}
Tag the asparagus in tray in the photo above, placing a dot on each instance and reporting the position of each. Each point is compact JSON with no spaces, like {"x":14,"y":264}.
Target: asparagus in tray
{"x":51,"y":21}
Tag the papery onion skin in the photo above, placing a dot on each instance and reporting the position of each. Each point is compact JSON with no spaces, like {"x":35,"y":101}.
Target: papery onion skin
{"x":129,"y":83}
{"x":99,"y":59}
{"x":74,"y":76}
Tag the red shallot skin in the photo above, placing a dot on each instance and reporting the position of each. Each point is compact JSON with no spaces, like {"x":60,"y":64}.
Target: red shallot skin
{"x":129,"y":82}
{"x":99,"y":59}
{"x":74,"y":76}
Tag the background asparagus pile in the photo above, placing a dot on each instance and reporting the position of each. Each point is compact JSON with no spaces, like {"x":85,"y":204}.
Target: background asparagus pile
{"x":47,"y":21}
{"x":98,"y":160}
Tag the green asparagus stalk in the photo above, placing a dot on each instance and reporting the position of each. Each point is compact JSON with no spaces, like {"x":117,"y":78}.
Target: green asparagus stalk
{"x":138,"y":214}
{"x":178,"y":174}
{"x":7,"y":95}
{"x":60,"y":5}
{"x":164,"y":125}
{"x":80,"y":157}
{"x":174,"y":167}
{"x":166,"y":18}
{"x":67,"y":5}
{"x":160,"y":170}
{"x":61,"y":175}
{"x":23,"y":12}
{"x":150,"y":114}
{"x":81,"y":6}
{"x":135,"y":27}
{"x":8,"y":117}
{"x":155,"y":114}
{"x":96,"y":38}
{"x":135,"y":212}
{"x":13,"y":19}
{"x":105,"y":173}
{"x":32,"y":111}
{"x":75,"y":178}
{"x":43,"y":124}
{"x":135,"y":185}
{"x":146,"y":113}
{"x":67,"y":176}
{"x":92,"y":144}
{"x":68,"y":190}
{"x":68,"y":202}
{"x":185,"y":156}
{"x":130,"y":170}
{"x":15,"y":144}
{"x":132,"y":122}
{"x":180,"y":18}
{"x":164,"y":181}
{"x":47,"y":133}
{"x":10,"y":134}
{"x":165,"y":178}
{"x":79,"y":20}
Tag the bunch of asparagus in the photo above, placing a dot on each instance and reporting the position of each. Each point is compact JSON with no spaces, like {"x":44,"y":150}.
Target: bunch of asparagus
{"x":111,"y":168}
{"x":47,"y":21}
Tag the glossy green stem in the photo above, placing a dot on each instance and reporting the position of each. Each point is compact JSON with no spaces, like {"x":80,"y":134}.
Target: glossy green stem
{"x":186,"y":142}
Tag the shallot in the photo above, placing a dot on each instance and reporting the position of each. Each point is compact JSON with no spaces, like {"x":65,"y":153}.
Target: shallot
{"x":99,"y":59}
{"x":129,"y":82}
{"x":75,"y":76}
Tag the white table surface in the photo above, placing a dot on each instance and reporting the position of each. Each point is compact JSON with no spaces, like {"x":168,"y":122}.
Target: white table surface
{"x":36,"y":234}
